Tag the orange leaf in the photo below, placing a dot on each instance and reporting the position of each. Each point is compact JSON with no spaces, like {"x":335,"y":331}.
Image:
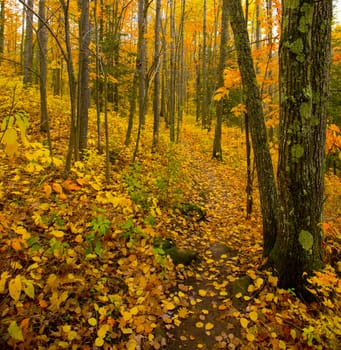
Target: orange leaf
{"x":69,"y":185}
{"x":57,"y":188}
{"x":18,"y":244}
{"x":43,"y":304}
{"x":47,"y":189}
{"x":62,"y":196}
{"x":25,"y":322}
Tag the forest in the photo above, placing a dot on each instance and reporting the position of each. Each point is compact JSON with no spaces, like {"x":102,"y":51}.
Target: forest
{"x":170,"y":174}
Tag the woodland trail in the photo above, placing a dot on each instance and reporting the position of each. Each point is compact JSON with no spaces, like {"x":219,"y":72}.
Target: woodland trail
{"x":222,"y":244}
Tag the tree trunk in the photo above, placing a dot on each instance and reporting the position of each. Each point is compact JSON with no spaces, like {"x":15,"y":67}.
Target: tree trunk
{"x":217,"y":149}
{"x":266,"y":179}
{"x":304,"y":78}
{"x":172,"y":67}
{"x":141,"y":59}
{"x":157,"y":53}
{"x":83,"y":77}
{"x":42,"y":43}
{"x":204,"y":101}
{"x":181,"y":71}
{"x":28,"y":44}
{"x":2,"y":26}
{"x":72,"y":145}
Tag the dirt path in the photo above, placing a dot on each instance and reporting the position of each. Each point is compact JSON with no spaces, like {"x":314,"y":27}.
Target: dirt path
{"x":206,"y":292}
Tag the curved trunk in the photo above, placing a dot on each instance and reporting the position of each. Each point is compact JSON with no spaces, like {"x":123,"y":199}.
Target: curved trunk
{"x":266,"y":178}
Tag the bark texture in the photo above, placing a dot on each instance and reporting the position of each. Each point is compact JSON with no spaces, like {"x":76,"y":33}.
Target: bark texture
{"x":304,"y":77}
{"x":266,"y":179}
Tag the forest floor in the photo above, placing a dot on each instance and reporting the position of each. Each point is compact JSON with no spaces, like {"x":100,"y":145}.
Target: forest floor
{"x":82,"y":266}
{"x":212,"y":306}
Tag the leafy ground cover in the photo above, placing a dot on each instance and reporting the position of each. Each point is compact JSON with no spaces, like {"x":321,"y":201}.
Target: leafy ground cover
{"x":82,"y":266}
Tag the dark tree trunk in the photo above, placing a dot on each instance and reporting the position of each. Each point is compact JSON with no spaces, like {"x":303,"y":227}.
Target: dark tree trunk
{"x":72,"y":145}
{"x":266,"y":179}
{"x":42,"y":43}
{"x":172,"y":67}
{"x":204,"y":101}
{"x":304,"y":78}
{"x":141,"y":60}
{"x":83,"y":77}
{"x":217,"y":149}
{"x":2,"y":26}
{"x":157,"y":53}
{"x":28,"y":44}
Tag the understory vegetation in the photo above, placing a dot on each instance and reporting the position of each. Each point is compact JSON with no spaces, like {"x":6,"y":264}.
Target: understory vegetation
{"x":162,"y":255}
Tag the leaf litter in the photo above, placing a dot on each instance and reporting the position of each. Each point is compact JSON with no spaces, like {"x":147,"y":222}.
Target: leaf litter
{"x":80,"y":269}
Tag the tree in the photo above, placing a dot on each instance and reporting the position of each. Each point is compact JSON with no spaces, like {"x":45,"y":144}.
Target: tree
{"x":2,"y":26}
{"x":304,"y":84}
{"x":42,"y":49}
{"x":204,"y":101}
{"x":217,"y":149}
{"x":252,"y":97}
{"x":141,"y":68}
{"x":72,"y":144}
{"x":156,"y":97}
{"x":83,"y":76}
{"x":28,"y":44}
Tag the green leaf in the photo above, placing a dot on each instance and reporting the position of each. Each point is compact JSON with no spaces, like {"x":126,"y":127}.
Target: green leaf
{"x":29,"y":289}
{"x":15,"y":331}
{"x":306,"y":240}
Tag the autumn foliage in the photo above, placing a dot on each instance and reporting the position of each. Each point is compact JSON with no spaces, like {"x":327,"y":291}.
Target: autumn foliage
{"x":79,"y":267}
{"x":155,"y":253}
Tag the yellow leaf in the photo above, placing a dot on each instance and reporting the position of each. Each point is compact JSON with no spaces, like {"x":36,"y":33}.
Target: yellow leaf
{"x":239,"y":295}
{"x":177,"y":322}
{"x":132,"y":344}
{"x":253,"y":316}
{"x":168,"y":305}
{"x":251,"y":288}
{"x":102,"y":331}
{"x":15,"y":331}
{"x":134,"y":310}
{"x":273,"y":280}
{"x":9,"y":139}
{"x":126,"y":330}
{"x":209,"y":326}
{"x":250,"y":337}
{"x":259,"y":282}
{"x":199,"y":325}
{"x":293,"y":333}
{"x":3,"y":279}
{"x":183,"y":312}
{"x":57,"y":299}
{"x":15,"y":288}
{"x":20,"y":230}
{"x":99,"y":341}
{"x":202,"y":292}
{"x":244,"y":322}
{"x":269,"y":297}
{"x":282,"y":345}
{"x":57,"y":233}
{"x":92,"y":321}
